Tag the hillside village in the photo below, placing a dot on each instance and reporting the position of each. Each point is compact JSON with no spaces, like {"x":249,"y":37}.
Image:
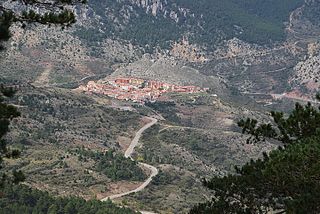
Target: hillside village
{"x":135,"y":89}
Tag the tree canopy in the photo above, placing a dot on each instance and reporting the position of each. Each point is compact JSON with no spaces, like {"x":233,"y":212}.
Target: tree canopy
{"x":36,"y":11}
{"x":303,"y":122}
{"x":48,"y":12}
{"x":285,"y":180}
{"x":20,"y":199}
{"x":7,"y":113}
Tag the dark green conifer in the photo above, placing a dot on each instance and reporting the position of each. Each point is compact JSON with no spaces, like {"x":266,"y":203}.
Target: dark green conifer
{"x":286,"y":180}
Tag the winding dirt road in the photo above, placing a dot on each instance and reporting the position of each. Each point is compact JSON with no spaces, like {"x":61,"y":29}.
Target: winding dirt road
{"x":128,"y":154}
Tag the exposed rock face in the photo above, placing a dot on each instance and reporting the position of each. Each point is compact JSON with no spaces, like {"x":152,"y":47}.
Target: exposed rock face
{"x":313,"y":49}
{"x":237,"y":48}
{"x":152,"y":6}
{"x":297,"y":59}
{"x":188,"y":52}
{"x":84,"y":53}
{"x":162,"y":8}
{"x":49,"y":56}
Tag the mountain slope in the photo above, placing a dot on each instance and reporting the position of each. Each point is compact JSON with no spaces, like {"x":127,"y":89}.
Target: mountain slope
{"x":205,"y":21}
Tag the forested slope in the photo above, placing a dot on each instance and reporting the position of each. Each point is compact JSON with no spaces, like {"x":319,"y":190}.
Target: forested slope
{"x":21,"y":199}
{"x":205,"y":21}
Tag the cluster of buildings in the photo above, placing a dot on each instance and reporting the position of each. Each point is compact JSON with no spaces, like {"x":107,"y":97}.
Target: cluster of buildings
{"x":135,"y":89}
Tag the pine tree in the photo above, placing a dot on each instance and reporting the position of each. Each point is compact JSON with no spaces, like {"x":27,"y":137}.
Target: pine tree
{"x":286,"y":180}
{"x":53,"y":209}
{"x":56,"y":13}
{"x":50,"y":12}
{"x":7,"y":114}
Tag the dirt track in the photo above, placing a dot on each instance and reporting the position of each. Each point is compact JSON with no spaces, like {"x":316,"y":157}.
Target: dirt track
{"x":128,"y":154}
